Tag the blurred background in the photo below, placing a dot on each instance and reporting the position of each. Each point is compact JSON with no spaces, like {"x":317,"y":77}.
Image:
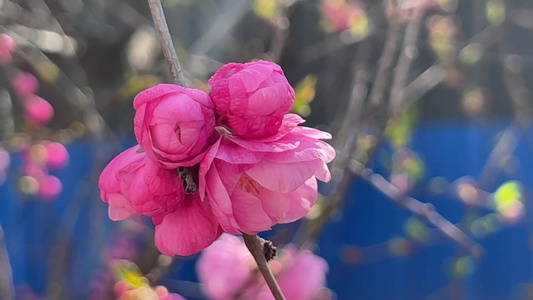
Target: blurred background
{"x":428,"y":101}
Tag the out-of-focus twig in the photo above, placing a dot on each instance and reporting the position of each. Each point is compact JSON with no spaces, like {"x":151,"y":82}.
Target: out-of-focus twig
{"x":6,"y":276}
{"x":166,"y":42}
{"x":256,"y":246}
{"x":424,"y":210}
{"x":407,"y":55}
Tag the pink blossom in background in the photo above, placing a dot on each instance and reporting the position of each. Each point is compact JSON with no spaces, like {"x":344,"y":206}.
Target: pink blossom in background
{"x":4,"y":164}
{"x":303,"y":274}
{"x":144,"y":292}
{"x":340,"y":15}
{"x":50,"y":187}
{"x":173,"y":124}
{"x":24,"y":84}
{"x":225,"y":268}
{"x":38,"y":111}
{"x":251,"y":98}
{"x":7,"y":46}
{"x":255,"y":184}
{"x":57,"y":155}
{"x":133,"y":184}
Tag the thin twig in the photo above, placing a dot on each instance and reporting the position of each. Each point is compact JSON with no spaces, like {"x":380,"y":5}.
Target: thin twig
{"x":424,"y":210}
{"x":6,"y":275}
{"x":166,"y":42}
{"x":187,"y":174}
{"x":256,"y":246}
{"x":407,"y":55}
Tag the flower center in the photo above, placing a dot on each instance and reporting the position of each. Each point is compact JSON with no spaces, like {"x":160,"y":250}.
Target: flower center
{"x":249,"y":185}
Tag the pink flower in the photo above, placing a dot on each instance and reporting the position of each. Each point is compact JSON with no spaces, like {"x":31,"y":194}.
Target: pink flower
{"x":255,"y":184}
{"x":251,"y":98}
{"x":57,"y":155}
{"x":341,"y":16}
{"x":38,"y":111}
{"x":224,"y":268}
{"x":50,"y":187}
{"x":303,"y":274}
{"x":227,"y":270}
{"x":7,"y":46}
{"x":173,"y":123}
{"x":25,"y":84}
{"x":133,"y":184}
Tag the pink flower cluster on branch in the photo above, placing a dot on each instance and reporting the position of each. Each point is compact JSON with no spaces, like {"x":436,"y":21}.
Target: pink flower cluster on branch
{"x":227,"y":270}
{"x":254,"y":165}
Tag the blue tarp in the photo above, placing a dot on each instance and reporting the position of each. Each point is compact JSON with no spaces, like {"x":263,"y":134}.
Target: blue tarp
{"x":450,"y":150}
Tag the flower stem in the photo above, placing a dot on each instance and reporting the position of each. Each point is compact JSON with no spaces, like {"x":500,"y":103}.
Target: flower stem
{"x":166,"y":42}
{"x":174,"y":67}
{"x":256,"y":245}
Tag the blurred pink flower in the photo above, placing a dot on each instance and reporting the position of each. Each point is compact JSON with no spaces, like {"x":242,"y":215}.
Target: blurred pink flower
{"x":7,"y":46}
{"x":255,"y":184}
{"x":251,"y":98}
{"x":225,"y":268}
{"x":38,"y":111}
{"x":50,"y":187}
{"x":302,"y":276}
{"x":25,"y":84}
{"x":133,"y":184}
{"x":340,"y":15}
{"x":57,"y":155}
{"x":173,"y":123}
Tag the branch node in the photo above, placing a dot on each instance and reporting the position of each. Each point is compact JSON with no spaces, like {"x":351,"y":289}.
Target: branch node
{"x":269,"y":249}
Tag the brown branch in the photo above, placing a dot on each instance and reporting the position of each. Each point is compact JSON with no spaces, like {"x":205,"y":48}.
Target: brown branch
{"x":407,"y":55}
{"x":166,"y":42}
{"x":424,"y":210}
{"x":256,"y":245}
{"x":187,"y":174}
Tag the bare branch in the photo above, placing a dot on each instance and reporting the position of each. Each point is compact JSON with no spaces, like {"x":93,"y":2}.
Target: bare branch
{"x":256,"y":246}
{"x":424,"y":210}
{"x":166,"y":42}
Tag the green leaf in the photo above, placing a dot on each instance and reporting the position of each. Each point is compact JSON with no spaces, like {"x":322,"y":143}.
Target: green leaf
{"x":507,"y":194}
{"x":495,"y":12}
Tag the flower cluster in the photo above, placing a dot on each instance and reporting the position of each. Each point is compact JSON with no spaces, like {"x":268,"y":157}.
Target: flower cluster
{"x":37,"y":111}
{"x":37,"y":162}
{"x":253,"y":165}
{"x":227,"y":270}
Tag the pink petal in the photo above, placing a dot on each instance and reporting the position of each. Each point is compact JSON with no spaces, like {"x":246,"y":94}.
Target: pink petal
{"x":188,"y":230}
{"x":220,"y":201}
{"x":301,"y":200}
{"x":277,"y":146}
{"x":249,"y":213}
{"x":283,"y":177}
{"x":232,"y":153}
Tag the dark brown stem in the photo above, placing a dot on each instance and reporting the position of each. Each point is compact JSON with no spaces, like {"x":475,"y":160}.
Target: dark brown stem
{"x":256,"y":245}
{"x":166,"y":42}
